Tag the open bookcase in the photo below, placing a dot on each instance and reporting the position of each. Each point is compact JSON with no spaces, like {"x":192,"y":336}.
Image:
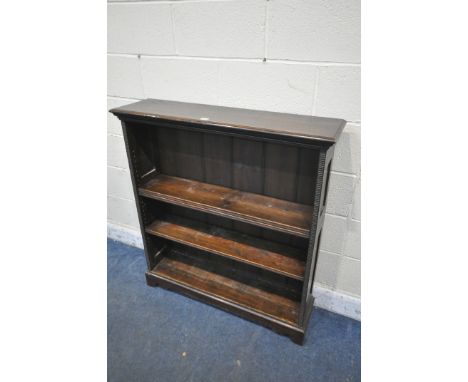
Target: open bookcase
{"x":231,"y":204}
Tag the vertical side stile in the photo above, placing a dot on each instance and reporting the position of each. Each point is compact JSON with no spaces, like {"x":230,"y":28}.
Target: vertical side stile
{"x":140,"y":203}
{"x":298,"y":171}
{"x":153,"y":134}
{"x":326,"y":153}
{"x":203,"y":158}
{"x":263,"y":165}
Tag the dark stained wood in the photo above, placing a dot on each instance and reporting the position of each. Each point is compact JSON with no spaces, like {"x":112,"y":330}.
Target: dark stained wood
{"x":181,"y":153}
{"x":307,"y":176}
{"x":256,"y":209}
{"x":191,"y":272}
{"x":302,"y":126}
{"x":217,"y":160}
{"x":280,"y":180}
{"x":325,"y":156}
{"x":247,"y":163}
{"x":281,"y":259}
{"x":247,"y":173}
{"x":167,"y":148}
{"x":306,"y":179}
{"x":189,"y":151}
{"x":281,"y":171}
{"x":231,"y":204}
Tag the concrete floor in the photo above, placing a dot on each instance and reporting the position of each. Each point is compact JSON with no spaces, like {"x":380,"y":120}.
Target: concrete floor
{"x":157,"y":335}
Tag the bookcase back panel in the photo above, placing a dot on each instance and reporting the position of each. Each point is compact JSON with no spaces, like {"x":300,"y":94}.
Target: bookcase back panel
{"x":279,"y":170}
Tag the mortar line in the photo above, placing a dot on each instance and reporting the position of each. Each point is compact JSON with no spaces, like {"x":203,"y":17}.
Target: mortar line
{"x":317,"y":79}
{"x":265,"y":31}
{"x":174,"y":40}
{"x":118,"y":168}
{"x":115,"y":135}
{"x":242,"y":59}
{"x":140,"y":2}
{"x":125,"y":98}
{"x":119,"y":197}
{"x":340,"y":254}
{"x":348,"y":174}
{"x":140,"y":73}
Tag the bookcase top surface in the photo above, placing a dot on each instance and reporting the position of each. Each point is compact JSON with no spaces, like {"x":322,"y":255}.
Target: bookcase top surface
{"x":301,"y":126}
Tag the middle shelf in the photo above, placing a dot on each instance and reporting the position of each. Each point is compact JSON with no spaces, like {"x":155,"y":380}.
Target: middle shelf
{"x":264,"y":211}
{"x":275,"y":257}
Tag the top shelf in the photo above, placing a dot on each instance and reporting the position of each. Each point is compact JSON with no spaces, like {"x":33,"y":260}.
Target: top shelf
{"x":260,"y":210}
{"x":282,"y":124}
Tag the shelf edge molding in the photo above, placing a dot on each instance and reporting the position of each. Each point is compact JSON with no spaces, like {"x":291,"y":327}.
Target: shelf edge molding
{"x":264,"y":211}
{"x":266,"y":255}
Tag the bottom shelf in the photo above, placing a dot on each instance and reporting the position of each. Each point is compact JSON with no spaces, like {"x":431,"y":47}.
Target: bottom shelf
{"x":210,"y":278}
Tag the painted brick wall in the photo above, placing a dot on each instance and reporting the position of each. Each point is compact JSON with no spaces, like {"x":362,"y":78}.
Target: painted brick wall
{"x":213,"y":52}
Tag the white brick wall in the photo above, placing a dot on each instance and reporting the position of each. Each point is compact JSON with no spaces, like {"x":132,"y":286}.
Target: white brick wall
{"x":213,"y":52}
{"x":267,"y":86}
{"x":314,"y":30}
{"x":142,"y":29}
{"x":220,"y":29}
{"x":338,"y":92}
{"x":124,"y":77}
{"x":180,"y":79}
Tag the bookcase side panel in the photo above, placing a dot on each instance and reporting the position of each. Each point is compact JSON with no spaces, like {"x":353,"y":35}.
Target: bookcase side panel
{"x":141,"y":163}
{"x":321,"y":181}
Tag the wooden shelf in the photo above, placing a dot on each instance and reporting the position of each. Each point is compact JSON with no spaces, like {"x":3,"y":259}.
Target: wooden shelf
{"x":197,"y":275}
{"x":278,"y":258}
{"x":260,"y":210}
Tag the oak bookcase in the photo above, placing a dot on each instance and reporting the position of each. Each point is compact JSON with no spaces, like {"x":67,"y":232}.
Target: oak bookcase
{"x":231,"y":204}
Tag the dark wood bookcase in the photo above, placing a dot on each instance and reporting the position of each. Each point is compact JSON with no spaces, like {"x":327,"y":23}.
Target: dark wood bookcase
{"x":231,"y":204}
